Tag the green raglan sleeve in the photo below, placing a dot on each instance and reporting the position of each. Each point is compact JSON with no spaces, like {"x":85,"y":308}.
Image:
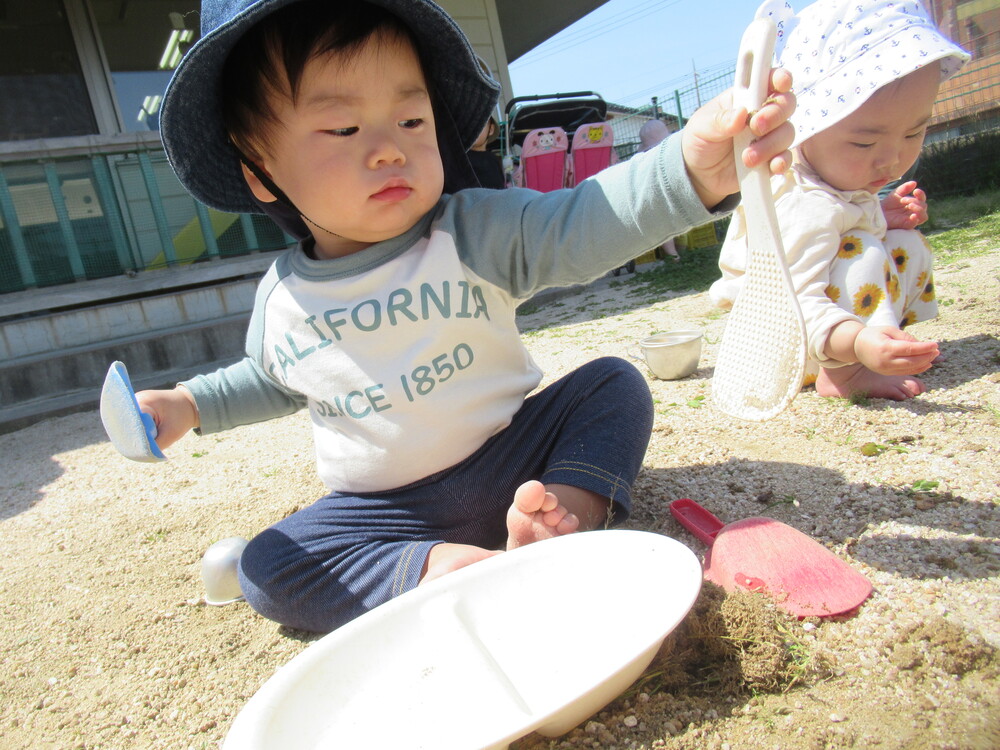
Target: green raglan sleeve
{"x":239,"y":394}
{"x":242,"y":393}
{"x":526,"y":241}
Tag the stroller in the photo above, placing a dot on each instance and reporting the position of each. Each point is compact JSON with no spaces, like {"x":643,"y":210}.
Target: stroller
{"x":552,"y":141}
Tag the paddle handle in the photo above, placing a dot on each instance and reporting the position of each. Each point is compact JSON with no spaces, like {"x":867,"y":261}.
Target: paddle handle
{"x":704,"y":524}
{"x":751,"y":88}
{"x":750,"y":91}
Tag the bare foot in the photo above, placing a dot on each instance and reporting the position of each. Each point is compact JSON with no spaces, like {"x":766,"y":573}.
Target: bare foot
{"x":536,"y":515}
{"x":446,"y":557}
{"x":843,"y":382}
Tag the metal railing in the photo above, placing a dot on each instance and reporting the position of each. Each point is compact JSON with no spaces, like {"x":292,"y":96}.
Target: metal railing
{"x":89,"y":208}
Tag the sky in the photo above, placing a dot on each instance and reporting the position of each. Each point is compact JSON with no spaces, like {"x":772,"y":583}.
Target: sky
{"x":630,"y":50}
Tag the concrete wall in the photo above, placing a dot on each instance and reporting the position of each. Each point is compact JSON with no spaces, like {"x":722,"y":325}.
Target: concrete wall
{"x":44,"y":387}
{"x":56,"y":344}
{"x":60,"y":333}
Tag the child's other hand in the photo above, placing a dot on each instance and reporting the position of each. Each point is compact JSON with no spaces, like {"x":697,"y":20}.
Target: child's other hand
{"x":891,"y":351}
{"x":708,"y":139}
{"x":174,"y":413}
{"x":905,"y":207}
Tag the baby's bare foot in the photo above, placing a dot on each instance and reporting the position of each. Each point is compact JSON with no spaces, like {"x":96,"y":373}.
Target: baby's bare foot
{"x":536,"y":515}
{"x":445,"y":558}
{"x":843,"y":382}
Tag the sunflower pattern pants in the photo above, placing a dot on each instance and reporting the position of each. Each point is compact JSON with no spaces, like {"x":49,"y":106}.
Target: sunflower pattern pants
{"x":885,"y":283}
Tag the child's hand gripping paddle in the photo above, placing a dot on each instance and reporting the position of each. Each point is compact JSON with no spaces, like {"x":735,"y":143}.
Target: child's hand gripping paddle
{"x":762,"y":554}
{"x":763,"y":351}
{"x":131,"y":431}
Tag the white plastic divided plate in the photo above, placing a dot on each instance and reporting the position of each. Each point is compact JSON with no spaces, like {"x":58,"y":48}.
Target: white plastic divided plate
{"x":536,"y":639}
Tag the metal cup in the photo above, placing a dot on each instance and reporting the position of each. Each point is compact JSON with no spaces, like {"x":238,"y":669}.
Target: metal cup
{"x":674,"y":354}
{"x":218,"y":571}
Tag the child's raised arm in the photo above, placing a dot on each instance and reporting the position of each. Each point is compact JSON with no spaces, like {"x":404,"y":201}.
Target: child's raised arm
{"x":708,"y":139}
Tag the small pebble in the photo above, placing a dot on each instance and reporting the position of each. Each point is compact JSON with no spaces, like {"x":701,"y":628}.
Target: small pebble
{"x":630,"y":721}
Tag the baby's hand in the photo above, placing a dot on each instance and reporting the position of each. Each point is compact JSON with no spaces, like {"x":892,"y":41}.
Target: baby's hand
{"x":891,"y":351}
{"x":905,"y":207}
{"x":174,"y":413}
{"x":707,"y":142}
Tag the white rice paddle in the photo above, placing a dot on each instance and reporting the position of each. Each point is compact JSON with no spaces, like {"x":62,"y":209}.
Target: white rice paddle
{"x":762,"y":356}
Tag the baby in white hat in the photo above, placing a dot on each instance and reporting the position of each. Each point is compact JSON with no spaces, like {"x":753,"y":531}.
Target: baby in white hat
{"x":865,"y":74}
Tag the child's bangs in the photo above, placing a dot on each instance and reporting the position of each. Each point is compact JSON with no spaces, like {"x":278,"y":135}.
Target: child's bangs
{"x":317,"y":28}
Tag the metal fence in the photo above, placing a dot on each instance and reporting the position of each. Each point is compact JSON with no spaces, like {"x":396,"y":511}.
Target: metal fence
{"x":674,"y":108}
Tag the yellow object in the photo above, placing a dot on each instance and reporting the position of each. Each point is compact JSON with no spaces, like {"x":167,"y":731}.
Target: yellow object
{"x":703,"y":236}
{"x":647,"y":257}
{"x":189,"y":243}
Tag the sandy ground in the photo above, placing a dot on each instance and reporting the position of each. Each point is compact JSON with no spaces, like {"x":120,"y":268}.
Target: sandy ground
{"x":107,"y":643}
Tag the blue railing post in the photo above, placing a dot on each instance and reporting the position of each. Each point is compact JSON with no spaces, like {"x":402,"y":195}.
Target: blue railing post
{"x":207,"y":232}
{"x":65,"y":227}
{"x":246,"y":223}
{"x":10,"y":220}
{"x":156,"y":204}
{"x":112,"y":216}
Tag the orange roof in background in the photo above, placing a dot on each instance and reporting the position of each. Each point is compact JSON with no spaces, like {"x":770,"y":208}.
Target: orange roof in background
{"x":974,"y":90}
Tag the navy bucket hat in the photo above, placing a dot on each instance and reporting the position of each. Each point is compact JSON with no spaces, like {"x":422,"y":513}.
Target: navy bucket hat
{"x":208,"y":164}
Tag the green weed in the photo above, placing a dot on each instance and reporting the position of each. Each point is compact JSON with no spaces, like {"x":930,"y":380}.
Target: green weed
{"x":924,"y":485}
{"x":877,"y":449}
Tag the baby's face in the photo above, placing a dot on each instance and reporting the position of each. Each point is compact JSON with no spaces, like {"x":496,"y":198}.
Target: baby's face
{"x":357,"y":153}
{"x":879,"y":141}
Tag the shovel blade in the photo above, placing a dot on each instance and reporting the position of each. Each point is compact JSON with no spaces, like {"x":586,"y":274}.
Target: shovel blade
{"x":803,"y":577}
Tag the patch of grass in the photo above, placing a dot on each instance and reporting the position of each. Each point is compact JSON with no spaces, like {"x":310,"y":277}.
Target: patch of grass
{"x":695,"y":271}
{"x":954,"y":211}
{"x":967,"y":226}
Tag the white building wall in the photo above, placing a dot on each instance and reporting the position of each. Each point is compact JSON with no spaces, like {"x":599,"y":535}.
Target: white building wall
{"x":480,"y":22}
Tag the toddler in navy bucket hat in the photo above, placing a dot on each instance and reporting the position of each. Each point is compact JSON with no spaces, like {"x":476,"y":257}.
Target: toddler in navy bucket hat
{"x":392,"y":320}
{"x":866,"y":75}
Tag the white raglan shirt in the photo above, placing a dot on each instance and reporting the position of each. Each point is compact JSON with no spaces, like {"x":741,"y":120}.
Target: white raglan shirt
{"x":407,"y":354}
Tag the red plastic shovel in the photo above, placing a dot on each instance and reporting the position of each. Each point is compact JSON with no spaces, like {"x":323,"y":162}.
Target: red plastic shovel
{"x":762,"y":554}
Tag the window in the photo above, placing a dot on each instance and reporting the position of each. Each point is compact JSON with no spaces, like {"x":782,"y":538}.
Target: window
{"x":43,"y":93}
{"x":143,"y":41}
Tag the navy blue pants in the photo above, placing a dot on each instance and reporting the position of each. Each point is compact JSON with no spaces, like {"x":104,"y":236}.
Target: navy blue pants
{"x":346,"y":554}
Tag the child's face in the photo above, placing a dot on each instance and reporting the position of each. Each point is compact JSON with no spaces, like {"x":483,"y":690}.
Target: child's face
{"x":879,"y":141}
{"x":357,"y":153}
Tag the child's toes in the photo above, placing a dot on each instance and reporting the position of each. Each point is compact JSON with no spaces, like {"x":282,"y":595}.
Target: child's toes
{"x":568,"y":524}
{"x":555,"y":516}
{"x":531,"y":497}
